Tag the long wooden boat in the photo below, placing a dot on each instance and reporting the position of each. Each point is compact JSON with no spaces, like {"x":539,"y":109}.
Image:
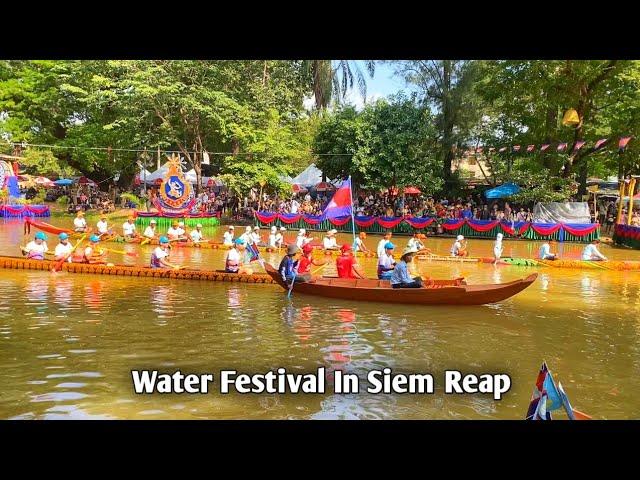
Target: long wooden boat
{"x":134,"y":271}
{"x":442,"y":292}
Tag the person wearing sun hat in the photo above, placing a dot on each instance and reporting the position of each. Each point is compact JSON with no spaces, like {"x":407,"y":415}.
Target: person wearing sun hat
{"x":329,"y":241}
{"x":272,"y":238}
{"x":102,"y":225}
{"x":300,"y":241}
{"x":288,"y":267}
{"x":196,"y":235}
{"x":173,"y":233}
{"x":36,"y":248}
{"x":79,"y":223}
{"x":386,"y":262}
{"x":150,"y":232}
{"x":129,"y":228}
{"x":497,"y":248}
{"x":459,"y":247}
{"x":400,"y":277}
{"x":227,"y":237}
{"x":247,"y":236}
{"x":181,"y":230}
{"x":160,"y":255}
{"x":64,"y":248}
{"x":347,"y":265}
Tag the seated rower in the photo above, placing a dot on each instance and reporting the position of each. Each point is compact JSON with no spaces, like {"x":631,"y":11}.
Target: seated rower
{"x":329,"y":241}
{"x":79,"y":223}
{"x":497,"y":249}
{"x":103,"y":226}
{"x":150,"y":232}
{"x":196,"y":235}
{"x":64,"y":249}
{"x":272,"y":238}
{"x":301,"y":240}
{"x":280,"y":237}
{"x":256,"y":237}
{"x":36,"y":249}
{"x":545,"y":252}
{"x":160,"y":254}
{"x":174,"y":232}
{"x":360,"y":246}
{"x":383,"y":243}
{"x":304,"y":266}
{"x":247,"y":236}
{"x":129,"y":229}
{"x":459,"y":247}
{"x":288,"y":267}
{"x":400,"y":277}
{"x":386,"y":262}
{"x":347,"y":265}
{"x":592,"y":253}
{"x":181,"y":231}
{"x":415,"y":242}
{"x":91,"y":253}
{"x":227,"y":237}
{"x":233,"y":261}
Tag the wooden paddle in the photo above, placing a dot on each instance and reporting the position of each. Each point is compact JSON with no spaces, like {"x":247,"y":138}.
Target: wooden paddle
{"x":58,"y":266}
{"x":145,"y":241}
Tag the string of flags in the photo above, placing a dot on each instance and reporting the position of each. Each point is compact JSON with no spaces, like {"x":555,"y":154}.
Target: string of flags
{"x":560,"y":147}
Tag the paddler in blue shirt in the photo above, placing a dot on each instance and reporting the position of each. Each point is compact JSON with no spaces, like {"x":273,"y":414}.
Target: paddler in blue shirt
{"x":592,"y":253}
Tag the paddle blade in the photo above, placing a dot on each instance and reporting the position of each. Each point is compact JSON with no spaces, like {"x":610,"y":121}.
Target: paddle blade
{"x":581,"y":416}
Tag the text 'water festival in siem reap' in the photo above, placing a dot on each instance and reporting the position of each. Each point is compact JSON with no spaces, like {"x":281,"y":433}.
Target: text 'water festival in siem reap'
{"x":265,"y":216}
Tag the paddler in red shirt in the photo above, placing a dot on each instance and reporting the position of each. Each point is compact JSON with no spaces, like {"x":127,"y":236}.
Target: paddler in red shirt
{"x":346,"y":264}
{"x":304,"y":266}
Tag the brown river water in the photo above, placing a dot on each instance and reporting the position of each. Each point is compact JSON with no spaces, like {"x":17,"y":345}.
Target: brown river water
{"x":68,"y":342}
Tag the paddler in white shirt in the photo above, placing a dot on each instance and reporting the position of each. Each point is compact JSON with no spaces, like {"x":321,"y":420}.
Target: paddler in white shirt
{"x":160,"y":255}
{"x":181,"y":230}
{"x":592,"y":253}
{"x":174,"y":231}
{"x":103,"y":226}
{"x":272,"y":238}
{"x":129,"y":228}
{"x":150,"y":231}
{"x":36,"y":249}
{"x":64,"y":248}
{"x":79,"y":223}
{"x":256,"y":237}
{"x":329,"y":242}
{"x":280,"y":237}
{"x":247,"y":236}
{"x":196,"y":235}
{"x":227,"y":238}
{"x":381,"y":244}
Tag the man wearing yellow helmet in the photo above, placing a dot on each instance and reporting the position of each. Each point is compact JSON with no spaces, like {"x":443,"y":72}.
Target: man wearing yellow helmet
{"x":129,"y":229}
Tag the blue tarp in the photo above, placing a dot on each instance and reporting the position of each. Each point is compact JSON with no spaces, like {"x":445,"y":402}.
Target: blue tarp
{"x":502,"y":191}
{"x":63,"y":182}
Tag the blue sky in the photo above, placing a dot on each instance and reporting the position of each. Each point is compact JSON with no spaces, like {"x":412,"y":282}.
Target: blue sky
{"x":383,"y":84}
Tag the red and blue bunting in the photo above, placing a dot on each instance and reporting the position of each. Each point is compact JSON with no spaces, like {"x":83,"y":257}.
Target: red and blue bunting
{"x":25,"y":211}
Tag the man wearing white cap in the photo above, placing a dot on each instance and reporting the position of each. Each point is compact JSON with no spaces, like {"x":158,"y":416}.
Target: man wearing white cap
{"x":196,"y":235}
{"x":227,"y":238}
{"x":257,"y":239}
{"x":247,"y":236}
{"x":272,"y":237}
{"x":459,"y":247}
{"x":150,"y":231}
{"x":181,"y":230}
{"x":329,"y":241}
{"x":280,"y":237}
{"x":497,"y":249}
{"x":301,"y":237}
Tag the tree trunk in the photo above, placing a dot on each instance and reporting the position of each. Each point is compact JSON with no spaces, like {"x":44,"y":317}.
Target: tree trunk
{"x":447,"y":123}
{"x":550,"y":128}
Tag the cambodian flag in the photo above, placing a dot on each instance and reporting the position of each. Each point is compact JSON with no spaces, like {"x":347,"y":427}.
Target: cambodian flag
{"x":544,"y":390}
{"x":252,"y":252}
{"x":340,"y":204}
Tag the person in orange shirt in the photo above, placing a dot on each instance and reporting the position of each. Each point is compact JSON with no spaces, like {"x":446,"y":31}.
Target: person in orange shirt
{"x":346,"y":264}
{"x":304,"y":266}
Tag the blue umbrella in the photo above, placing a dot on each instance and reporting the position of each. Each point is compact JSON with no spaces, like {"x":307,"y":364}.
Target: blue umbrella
{"x":63,"y":182}
{"x":503,"y":191}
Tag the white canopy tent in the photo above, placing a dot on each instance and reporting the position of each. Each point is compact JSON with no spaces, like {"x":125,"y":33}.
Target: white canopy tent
{"x":309,"y":177}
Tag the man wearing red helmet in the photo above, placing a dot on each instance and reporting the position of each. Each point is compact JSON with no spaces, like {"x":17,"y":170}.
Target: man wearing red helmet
{"x":307,"y":260}
{"x":346,"y":264}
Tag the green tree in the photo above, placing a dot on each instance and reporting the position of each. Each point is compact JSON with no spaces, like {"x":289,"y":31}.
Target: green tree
{"x":332,"y":79}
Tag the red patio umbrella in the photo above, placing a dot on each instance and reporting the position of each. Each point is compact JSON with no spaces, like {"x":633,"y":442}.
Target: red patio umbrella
{"x":87,"y":181}
{"x":298,"y":188}
{"x":324,"y":186}
{"x":44,"y":182}
{"x":412,"y":191}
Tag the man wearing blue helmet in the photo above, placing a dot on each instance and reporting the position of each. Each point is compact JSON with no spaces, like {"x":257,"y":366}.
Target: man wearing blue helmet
{"x":64,"y":248}
{"x":36,"y":249}
{"x":386,"y":262}
{"x":233,"y":260}
{"x":160,"y":254}
{"x":92,"y":253}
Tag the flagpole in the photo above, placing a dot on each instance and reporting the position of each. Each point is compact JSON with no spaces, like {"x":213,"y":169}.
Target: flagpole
{"x":353,"y":220}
